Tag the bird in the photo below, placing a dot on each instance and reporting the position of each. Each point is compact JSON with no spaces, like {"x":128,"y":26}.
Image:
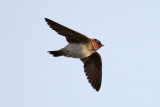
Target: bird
{"x":82,"y":47}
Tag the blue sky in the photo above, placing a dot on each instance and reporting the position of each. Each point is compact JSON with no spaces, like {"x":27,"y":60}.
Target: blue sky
{"x":30,"y":77}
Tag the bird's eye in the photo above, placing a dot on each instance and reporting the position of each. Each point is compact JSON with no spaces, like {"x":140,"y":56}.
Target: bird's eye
{"x":98,"y":41}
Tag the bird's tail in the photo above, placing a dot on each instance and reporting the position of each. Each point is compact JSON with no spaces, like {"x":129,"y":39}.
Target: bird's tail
{"x":56,"y":53}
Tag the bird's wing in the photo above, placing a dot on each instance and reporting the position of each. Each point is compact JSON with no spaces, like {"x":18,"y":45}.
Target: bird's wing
{"x":93,"y":70}
{"x":71,"y":35}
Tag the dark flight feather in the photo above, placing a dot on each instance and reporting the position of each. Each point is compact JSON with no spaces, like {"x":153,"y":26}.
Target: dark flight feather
{"x":93,"y":70}
{"x":71,"y":35}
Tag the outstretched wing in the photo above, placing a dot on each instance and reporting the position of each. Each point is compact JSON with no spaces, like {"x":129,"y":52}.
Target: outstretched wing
{"x":71,"y":35}
{"x":93,"y":70}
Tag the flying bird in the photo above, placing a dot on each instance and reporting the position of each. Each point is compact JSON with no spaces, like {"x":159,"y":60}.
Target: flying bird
{"x":82,"y":47}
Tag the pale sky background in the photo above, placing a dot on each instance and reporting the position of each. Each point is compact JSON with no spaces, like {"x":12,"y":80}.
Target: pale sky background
{"x":30,"y":77}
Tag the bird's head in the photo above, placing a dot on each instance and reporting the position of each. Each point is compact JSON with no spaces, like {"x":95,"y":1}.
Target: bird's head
{"x":96,"y":44}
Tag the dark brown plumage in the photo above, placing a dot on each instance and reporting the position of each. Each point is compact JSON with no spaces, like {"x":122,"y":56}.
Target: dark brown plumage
{"x":93,"y":70}
{"x":71,"y":35}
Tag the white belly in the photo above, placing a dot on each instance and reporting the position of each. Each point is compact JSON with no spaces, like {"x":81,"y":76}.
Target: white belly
{"x":77,"y":50}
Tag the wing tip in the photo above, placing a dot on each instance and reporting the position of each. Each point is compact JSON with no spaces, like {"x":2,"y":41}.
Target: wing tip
{"x":46,"y":19}
{"x":97,"y":89}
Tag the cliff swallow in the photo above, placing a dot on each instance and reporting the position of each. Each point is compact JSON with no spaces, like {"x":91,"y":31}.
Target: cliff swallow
{"x":80,"y":46}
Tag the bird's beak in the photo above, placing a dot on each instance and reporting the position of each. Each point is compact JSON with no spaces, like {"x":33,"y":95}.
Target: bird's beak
{"x":102,"y":45}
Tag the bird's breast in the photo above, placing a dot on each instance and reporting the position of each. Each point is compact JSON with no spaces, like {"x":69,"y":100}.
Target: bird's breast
{"x":78,"y":50}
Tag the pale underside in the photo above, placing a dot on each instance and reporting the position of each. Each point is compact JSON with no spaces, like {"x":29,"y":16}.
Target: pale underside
{"x":77,"y":50}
